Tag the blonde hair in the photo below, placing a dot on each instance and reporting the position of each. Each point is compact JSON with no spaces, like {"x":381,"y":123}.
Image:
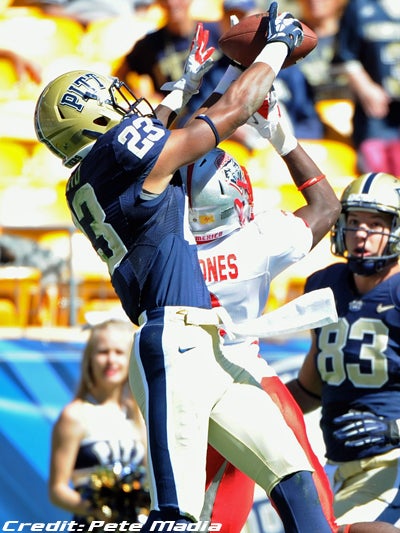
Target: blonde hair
{"x":86,"y":382}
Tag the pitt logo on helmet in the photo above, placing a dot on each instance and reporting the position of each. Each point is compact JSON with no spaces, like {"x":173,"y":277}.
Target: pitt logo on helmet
{"x":83,"y":88}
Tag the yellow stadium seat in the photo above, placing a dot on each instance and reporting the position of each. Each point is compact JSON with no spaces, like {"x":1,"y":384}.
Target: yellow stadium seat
{"x":49,"y":36}
{"x":13,"y":157}
{"x":92,"y":293}
{"x":19,"y":293}
{"x":43,"y":168}
{"x":8,"y":80}
{"x":337,"y":115}
{"x":206,"y":10}
{"x":86,"y":286}
{"x":109,"y":40}
{"x":37,"y":205}
{"x":236,"y":150}
{"x":336,"y":159}
{"x":8,"y":313}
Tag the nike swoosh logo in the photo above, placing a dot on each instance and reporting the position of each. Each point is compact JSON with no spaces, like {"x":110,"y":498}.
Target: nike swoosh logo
{"x":183,"y":350}
{"x":253,"y":120}
{"x":382,"y":308}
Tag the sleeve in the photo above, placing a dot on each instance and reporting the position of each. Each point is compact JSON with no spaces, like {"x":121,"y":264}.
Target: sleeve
{"x":140,"y":58}
{"x":287,"y":238}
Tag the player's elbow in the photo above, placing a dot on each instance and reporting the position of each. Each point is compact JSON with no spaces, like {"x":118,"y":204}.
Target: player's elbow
{"x":332,"y":210}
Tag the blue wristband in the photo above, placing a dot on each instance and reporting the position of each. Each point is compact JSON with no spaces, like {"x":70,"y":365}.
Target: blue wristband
{"x":212,"y":126}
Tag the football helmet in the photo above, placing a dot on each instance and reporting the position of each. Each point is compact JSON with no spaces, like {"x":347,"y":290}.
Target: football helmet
{"x":76,"y":108}
{"x":373,"y":192}
{"x":220,"y":195}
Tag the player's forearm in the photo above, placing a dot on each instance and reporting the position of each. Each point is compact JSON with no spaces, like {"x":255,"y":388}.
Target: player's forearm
{"x":242,"y":99}
{"x":322,"y":205}
{"x":307,"y":400}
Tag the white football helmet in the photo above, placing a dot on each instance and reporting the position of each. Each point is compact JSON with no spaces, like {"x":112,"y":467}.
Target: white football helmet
{"x":373,"y":192}
{"x":76,"y":108}
{"x":220,"y":195}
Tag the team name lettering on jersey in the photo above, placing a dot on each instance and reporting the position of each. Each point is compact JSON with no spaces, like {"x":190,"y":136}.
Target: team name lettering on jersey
{"x":219,"y":267}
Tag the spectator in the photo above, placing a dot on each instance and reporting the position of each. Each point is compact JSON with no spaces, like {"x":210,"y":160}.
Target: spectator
{"x":161,"y":54}
{"x":352,"y":367}
{"x":98,"y":441}
{"x":323,"y":16}
{"x":370,"y":58}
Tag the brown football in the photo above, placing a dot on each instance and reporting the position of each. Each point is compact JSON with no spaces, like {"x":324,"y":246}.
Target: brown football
{"x":244,"y":41}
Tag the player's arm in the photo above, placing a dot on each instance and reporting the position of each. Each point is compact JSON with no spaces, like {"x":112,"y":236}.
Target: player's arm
{"x":235,"y":106}
{"x":198,"y":62}
{"x":356,"y":429}
{"x":307,"y":387}
{"x":322,"y":207}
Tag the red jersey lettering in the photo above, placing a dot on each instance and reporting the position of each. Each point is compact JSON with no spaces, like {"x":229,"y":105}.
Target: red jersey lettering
{"x":219,"y":268}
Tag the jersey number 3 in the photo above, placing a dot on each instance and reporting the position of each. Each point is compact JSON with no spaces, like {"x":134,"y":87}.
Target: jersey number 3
{"x":371,"y":336}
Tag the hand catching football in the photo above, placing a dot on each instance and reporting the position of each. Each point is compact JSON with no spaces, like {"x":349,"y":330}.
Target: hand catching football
{"x":243,"y":41}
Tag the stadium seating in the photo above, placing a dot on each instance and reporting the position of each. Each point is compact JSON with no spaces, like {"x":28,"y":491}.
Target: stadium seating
{"x":19,"y":295}
{"x":337,"y":115}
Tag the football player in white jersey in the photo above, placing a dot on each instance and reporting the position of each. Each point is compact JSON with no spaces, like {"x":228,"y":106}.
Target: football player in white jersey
{"x":240,"y":253}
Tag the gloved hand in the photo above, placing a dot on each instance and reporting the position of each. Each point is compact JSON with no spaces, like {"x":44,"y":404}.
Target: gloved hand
{"x":284,"y":28}
{"x":271,"y":125}
{"x":358,"y":429}
{"x":198,"y":62}
{"x":266,"y":119}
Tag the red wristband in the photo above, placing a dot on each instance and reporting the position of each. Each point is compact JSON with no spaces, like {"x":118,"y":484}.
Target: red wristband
{"x":310,"y":182}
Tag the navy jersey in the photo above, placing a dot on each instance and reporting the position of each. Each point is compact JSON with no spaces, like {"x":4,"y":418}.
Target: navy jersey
{"x":359,"y":357}
{"x":149,"y":250}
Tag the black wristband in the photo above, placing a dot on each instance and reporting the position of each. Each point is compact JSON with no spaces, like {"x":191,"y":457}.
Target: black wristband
{"x":302,"y":387}
{"x":212,"y":126}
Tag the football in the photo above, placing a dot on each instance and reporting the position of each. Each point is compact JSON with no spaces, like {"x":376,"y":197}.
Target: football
{"x":245,"y":40}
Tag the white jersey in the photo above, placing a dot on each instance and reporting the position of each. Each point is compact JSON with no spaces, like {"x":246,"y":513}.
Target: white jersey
{"x":238,"y":268}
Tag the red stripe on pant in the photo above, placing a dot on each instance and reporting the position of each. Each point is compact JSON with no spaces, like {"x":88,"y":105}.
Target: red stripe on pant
{"x":234,"y":496}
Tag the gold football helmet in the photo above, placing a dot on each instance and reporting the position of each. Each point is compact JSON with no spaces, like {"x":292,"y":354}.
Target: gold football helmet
{"x":373,"y":192}
{"x":77,"y":107}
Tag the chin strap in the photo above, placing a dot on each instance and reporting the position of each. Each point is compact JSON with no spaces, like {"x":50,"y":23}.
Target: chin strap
{"x":370,"y":266}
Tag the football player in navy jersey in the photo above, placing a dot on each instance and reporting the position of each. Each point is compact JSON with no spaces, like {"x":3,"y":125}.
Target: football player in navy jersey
{"x":127,"y":197}
{"x":352,"y":369}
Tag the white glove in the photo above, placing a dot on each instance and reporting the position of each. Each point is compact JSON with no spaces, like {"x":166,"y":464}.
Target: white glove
{"x":198,"y":62}
{"x":271,"y":125}
{"x":266,"y":119}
